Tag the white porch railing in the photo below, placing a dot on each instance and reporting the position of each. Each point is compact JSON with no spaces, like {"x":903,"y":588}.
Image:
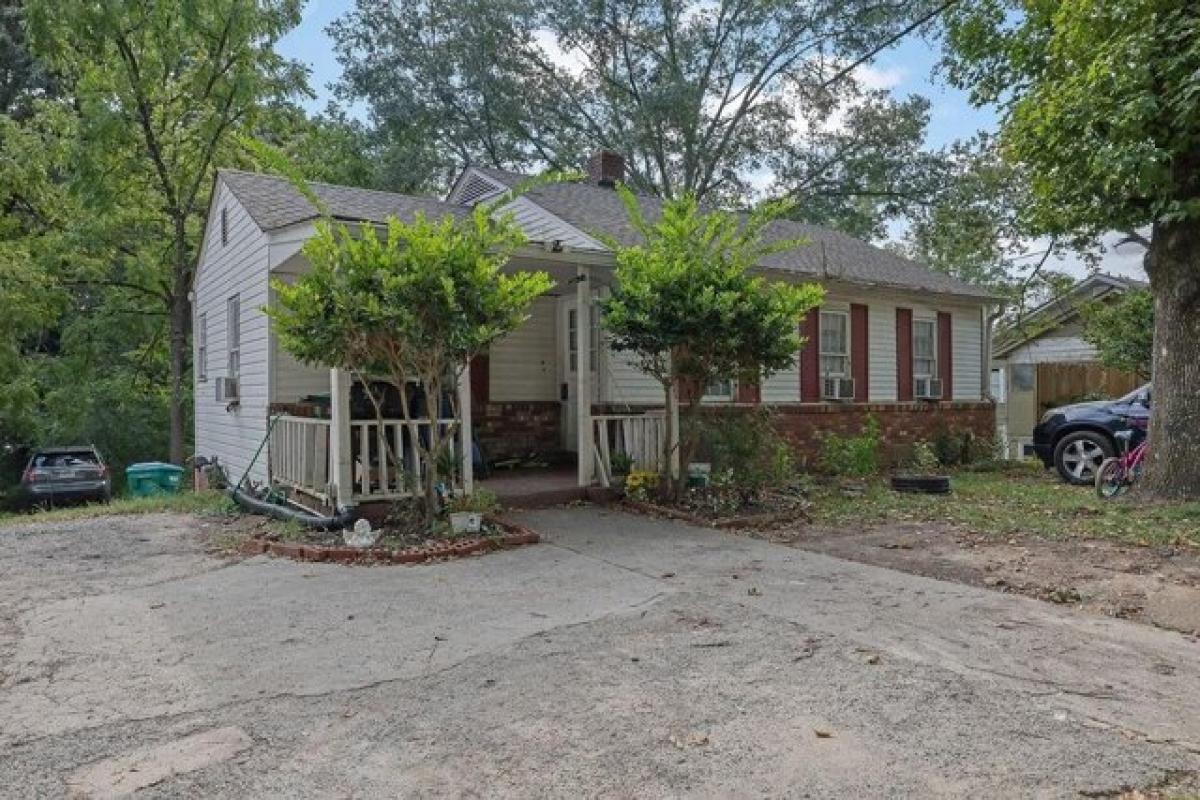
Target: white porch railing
{"x":638,"y":436}
{"x":386,"y":462}
{"x":299,"y":455}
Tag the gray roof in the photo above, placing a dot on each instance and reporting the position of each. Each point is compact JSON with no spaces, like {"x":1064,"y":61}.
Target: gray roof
{"x":828,"y":254}
{"x":1060,"y":310}
{"x":273,"y":202}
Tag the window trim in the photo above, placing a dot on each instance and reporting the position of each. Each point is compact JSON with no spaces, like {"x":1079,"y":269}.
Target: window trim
{"x":729,"y":397}
{"x":202,"y":347}
{"x":573,"y":338}
{"x":233,"y":336}
{"x":847,"y":370}
{"x":935,"y":372}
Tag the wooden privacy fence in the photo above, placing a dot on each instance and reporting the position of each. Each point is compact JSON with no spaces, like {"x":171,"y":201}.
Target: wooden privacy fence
{"x":1062,"y":383}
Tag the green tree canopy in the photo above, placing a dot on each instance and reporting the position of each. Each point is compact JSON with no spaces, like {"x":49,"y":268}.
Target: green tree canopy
{"x":687,"y":304}
{"x":416,"y":304}
{"x":1122,"y":331}
{"x":1101,"y":108}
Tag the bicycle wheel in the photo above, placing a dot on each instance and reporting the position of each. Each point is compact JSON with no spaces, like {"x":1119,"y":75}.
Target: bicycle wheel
{"x":1111,"y":479}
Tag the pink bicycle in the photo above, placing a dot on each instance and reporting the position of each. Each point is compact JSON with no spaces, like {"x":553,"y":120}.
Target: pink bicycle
{"x":1116,"y":475}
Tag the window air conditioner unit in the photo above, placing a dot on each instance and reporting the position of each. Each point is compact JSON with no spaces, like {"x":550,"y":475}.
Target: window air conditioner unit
{"x":227,"y":390}
{"x":838,"y":389}
{"x":928,"y":388}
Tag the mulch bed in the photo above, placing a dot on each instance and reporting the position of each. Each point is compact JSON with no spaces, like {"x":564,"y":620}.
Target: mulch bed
{"x":754,"y":519}
{"x":508,"y":534}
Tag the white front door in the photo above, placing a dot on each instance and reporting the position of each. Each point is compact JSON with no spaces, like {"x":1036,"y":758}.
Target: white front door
{"x":570,"y":360}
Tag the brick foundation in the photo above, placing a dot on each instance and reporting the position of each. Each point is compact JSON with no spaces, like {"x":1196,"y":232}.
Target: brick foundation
{"x":901,"y":424}
{"x":508,"y":430}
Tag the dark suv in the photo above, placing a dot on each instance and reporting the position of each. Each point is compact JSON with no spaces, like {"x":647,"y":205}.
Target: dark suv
{"x":1074,"y":439}
{"x":62,"y":474}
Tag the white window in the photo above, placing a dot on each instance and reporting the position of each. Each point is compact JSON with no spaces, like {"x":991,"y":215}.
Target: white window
{"x":573,"y":338}
{"x":835,"y":344}
{"x":234,"y":336}
{"x":998,"y":387}
{"x":924,"y":348}
{"x":202,"y":347}
{"x":719,"y":390}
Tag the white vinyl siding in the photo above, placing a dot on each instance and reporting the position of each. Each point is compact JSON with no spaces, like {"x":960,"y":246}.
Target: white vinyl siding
{"x":1053,"y":349}
{"x":967,"y":353}
{"x":881,"y":349}
{"x":522,"y":365}
{"x":625,"y":384}
{"x":782,"y":386}
{"x":237,"y":268}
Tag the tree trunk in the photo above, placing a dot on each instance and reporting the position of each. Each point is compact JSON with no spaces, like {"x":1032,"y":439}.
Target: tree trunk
{"x":1173,"y":465}
{"x":180,"y":321}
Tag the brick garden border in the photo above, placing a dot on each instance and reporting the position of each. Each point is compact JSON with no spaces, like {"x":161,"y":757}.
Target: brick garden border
{"x":764,"y":520}
{"x":514,"y":536}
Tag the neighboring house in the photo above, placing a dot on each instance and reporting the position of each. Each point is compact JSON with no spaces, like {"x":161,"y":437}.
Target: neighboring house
{"x":1042,"y":362}
{"x":894,"y":339}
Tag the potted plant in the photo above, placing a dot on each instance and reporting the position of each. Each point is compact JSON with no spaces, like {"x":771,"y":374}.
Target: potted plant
{"x":466,"y":512}
{"x":921,"y":474}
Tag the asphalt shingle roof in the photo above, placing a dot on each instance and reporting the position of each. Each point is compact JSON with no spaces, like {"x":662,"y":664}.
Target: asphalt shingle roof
{"x":827,"y":253}
{"x":273,"y":202}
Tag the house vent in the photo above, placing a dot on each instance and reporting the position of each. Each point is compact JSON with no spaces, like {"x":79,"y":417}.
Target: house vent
{"x":474,"y":188}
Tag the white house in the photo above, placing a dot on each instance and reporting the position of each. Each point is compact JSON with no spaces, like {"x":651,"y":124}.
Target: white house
{"x":894,"y":339}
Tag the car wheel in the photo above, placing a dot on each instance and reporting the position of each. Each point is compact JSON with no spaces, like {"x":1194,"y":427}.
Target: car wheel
{"x":1078,"y":455}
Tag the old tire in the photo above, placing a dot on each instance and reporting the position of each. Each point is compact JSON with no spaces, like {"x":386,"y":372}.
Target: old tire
{"x":921,"y":484}
{"x":1078,"y":456}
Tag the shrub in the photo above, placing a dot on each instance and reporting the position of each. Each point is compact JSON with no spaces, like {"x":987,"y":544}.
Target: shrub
{"x":482,"y":501}
{"x":746,"y":451}
{"x":854,"y":456}
{"x":923,"y":460}
{"x":621,"y":464}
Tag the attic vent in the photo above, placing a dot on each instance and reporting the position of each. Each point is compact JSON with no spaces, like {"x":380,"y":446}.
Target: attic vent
{"x":475,"y":188}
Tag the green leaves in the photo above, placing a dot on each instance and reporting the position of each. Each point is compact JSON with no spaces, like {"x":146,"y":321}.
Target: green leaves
{"x":686,"y":303}
{"x":1122,"y":331}
{"x":426,"y":295}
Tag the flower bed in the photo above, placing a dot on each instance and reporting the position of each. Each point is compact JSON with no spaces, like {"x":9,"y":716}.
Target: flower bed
{"x":769,"y":510}
{"x":502,"y":534}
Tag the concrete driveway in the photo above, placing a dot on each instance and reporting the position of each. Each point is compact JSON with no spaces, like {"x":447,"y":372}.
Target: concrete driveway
{"x":624,"y":657}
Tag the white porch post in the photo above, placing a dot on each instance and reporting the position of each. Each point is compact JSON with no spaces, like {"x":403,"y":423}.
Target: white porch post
{"x":341,"y":472}
{"x":464,"y":429}
{"x":583,"y":373}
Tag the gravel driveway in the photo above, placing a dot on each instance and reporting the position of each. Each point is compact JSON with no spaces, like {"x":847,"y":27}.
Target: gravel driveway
{"x":623,"y":657}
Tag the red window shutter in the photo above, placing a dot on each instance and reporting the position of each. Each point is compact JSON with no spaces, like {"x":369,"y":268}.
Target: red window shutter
{"x":860,"y":350}
{"x":689,"y":390}
{"x":904,"y":354}
{"x":481,"y":376}
{"x":749,"y":390}
{"x":810,"y":358}
{"x":945,"y":353}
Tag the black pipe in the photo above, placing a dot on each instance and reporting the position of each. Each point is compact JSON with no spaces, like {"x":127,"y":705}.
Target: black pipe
{"x":343,"y":519}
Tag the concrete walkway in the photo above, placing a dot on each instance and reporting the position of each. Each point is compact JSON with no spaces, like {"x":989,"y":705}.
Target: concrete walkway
{"x":625,"y":657}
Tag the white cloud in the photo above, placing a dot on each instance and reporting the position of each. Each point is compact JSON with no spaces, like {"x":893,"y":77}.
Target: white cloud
{"x":570,"y":60}
{"x":873,"y":77}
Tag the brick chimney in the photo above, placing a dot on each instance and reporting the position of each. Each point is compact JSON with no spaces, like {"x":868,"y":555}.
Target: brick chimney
{"x":606,"y":168}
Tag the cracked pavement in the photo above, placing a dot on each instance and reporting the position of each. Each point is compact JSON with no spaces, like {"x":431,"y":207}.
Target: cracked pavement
{"x":625,"y":656}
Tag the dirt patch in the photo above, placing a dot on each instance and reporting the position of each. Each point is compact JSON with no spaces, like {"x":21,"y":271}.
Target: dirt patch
{"x":1157,"y":585}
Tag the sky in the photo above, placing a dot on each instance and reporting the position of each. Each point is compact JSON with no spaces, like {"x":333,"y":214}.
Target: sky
{"x":908,"y":68}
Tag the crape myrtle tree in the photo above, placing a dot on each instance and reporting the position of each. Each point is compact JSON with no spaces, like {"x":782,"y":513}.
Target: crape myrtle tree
{"x":1122,"y":331}
{"x":1101,"y":104}
{"x":686,"y":305}
{"x":414,"y":302}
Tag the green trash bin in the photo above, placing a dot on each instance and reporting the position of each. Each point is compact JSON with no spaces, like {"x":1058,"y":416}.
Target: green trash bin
{"x":153,"y":477}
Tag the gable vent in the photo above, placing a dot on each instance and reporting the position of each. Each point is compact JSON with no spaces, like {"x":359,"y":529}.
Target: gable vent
{"x":474,"y":188}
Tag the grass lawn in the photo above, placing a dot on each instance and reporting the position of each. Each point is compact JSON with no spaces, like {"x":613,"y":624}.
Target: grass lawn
{"x":1016,"y":499}
{"x":185,"y":502}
